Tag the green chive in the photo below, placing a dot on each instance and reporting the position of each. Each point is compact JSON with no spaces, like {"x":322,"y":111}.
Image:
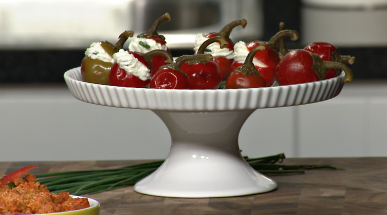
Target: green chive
{"x":145,"y":45}
{"x":222,"y":85}
{"x":96,"y":181}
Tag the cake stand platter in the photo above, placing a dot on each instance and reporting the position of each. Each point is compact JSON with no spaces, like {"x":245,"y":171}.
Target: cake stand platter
{"x":204,"y":159}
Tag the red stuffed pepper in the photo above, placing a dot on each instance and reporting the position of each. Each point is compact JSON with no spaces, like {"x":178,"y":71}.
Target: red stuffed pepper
{"x":172,"y":76}
{"x":265,"y":61}
{"x":132,"y":69}
{"x":301,"y":66}
{"x":150,"y":41}
{"x":221,"y":56}
{"x":205,"y":74}
{"x":247,"y":76}
{"x":328,"y":52}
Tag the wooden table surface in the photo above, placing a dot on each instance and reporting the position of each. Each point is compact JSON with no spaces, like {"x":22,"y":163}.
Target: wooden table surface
{"x":359,"y":189}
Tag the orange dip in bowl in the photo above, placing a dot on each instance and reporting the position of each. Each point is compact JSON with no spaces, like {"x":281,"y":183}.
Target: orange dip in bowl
{"x":31,"y":197}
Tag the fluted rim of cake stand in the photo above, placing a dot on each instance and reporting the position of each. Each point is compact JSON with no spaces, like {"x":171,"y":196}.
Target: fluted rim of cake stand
{"x":202,"y":100}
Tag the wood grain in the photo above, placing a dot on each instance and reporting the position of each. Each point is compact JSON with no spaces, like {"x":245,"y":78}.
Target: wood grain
{"x":358,"y":189}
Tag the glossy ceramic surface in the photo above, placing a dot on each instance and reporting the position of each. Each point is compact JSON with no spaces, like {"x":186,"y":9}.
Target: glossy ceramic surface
{"x":202,"y":100}
{"x":204,"y":159}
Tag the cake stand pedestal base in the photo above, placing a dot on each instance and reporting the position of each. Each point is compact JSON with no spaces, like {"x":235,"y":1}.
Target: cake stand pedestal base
{"x":204,"y":159}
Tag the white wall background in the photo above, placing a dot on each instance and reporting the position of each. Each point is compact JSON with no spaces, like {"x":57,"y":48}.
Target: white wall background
{"x":39,"y":123}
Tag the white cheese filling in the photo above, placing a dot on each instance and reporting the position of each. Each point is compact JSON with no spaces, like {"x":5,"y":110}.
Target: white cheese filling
{"x":131,"y":65}
{"x":241,"y":52}
{"x":215,"y":49}
{"x":143,"y":45}
{"x":95,"y":51}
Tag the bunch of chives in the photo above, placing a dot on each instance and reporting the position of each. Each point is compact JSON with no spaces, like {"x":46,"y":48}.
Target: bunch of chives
{"x":96,"y":181}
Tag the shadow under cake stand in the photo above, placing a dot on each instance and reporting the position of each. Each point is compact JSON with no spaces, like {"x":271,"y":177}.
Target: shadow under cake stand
{"x":204,"y":159}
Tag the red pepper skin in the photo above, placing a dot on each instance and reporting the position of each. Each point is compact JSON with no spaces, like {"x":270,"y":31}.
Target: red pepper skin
{"x":247,"y":75}
{"x":237,"y":80}
{"x":119,"y":77}
{"x":206,"y":74}
{"x":203,"y":76}
{"x":139,"y":58}
{"x":269,"y":56}
{"x":223,"y":62}
{"x":235,"y":65}
{"x":157,"y":39}
{"x":15,"y":175}
{"x":296,"y":68}
{"x":157,"y":62}
{"x":224,"y":66}
{"x":326,"y":52}
{"x":267,"y":73}
{"x":167,"y":78}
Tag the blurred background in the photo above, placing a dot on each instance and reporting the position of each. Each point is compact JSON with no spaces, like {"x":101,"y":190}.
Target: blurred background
{"x":42,"y":39}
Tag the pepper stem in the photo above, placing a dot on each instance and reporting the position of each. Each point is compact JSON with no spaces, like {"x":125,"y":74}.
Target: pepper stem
{"x":222,"y":41}
{"x":337,"y":65}
{"x":186,"y":58}
{"x":282,"y":49}
{"x":226,"y":30}
{"x":152,"y":32}
{"x":197,"y":57}
{"x":347,"y":59}
{"x":110,"y":48}
{"x":272,"y":43}
{"x":149,"y":56}
{"x":122,"y":39}
{"x":248,"y":67}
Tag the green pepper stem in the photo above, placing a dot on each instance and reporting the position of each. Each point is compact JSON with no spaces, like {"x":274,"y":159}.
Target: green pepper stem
{"x":250,"y":56}
{"x":186,"y":58}
{"x":122,"y":39}
{"x":337,"y":65}
{"x":110,"y":48}
{"x":282,"y":49}
{"x":226,"y":30}
{"x":149,"y":56}
{"x":248,"y":67}
{"x":197,"y":57}
{"x":272,"y":43}
{"x":152,"y":32}
{"x":347,"y":59}
{"x":222,"y":41}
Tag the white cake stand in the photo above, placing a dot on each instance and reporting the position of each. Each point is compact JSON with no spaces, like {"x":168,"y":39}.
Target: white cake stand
{"x":204,"y":159}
